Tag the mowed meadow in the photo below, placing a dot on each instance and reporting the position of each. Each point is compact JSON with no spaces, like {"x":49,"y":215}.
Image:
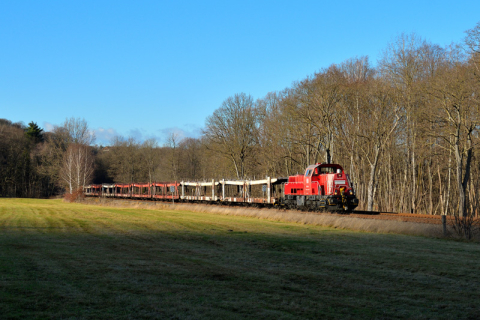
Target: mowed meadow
{"x":77,"y":261}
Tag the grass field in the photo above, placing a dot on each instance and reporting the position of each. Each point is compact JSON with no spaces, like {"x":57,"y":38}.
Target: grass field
{"x":61,"y":260}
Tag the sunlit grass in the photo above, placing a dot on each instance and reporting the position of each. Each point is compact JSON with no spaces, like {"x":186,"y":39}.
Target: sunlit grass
{"x":62,"y":260}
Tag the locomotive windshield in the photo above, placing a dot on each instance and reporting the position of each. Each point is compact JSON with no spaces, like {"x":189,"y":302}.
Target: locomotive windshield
{"x":315,"y":171}
{"x":327,"y":169}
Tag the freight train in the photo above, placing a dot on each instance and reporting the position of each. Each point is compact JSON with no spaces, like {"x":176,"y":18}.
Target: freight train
{"x":323,"y":187}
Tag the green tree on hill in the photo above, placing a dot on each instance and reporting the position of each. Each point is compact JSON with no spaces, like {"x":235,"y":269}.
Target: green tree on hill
{"x":34,"y":132}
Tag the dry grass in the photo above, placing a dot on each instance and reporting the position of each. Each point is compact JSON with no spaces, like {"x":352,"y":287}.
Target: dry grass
{"x":317,"y":219}
{"x":62,"y":260}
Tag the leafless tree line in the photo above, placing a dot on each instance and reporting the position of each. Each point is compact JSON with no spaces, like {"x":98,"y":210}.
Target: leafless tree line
{"x":127,"y":160}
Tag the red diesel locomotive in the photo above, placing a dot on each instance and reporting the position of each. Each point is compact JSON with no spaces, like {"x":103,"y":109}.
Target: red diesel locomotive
{"x":323,"y":186}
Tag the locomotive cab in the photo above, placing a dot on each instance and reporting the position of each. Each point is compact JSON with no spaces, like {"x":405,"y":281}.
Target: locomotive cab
{"x":323,"y":186}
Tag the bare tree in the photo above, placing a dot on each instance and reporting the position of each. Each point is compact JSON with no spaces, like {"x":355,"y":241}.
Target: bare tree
{"x":232,"y":131}
{"x":173,"y":141}
{"x":358,"y":76}
{"x":455,"y":116}
{"x":192,"y":157}
{"x":68,"y":155}
{"x":150,"y":158}
{"x":473,"y":45}
{"x":273,"y":134}
{"x":402,"y":66}
{"x":325,"y":94}
{"x":124,"y":160}
{"x":78,"y":131}
{"x":357,"y":69}
{"x":383,"y":114}
{"x":313,"y":105}
{"x":77,"y":168}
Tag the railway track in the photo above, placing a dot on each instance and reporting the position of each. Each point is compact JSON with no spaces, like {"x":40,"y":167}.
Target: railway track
{"x":406,"y":217}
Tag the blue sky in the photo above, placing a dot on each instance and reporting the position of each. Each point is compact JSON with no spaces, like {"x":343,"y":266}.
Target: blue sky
{"x":148,"y":68}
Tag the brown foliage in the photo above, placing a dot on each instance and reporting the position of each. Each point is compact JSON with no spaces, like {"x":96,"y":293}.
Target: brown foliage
{"x":74,"y":196}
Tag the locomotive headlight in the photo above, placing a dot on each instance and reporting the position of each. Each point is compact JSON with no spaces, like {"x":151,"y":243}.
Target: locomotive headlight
{"x":351,"y":192}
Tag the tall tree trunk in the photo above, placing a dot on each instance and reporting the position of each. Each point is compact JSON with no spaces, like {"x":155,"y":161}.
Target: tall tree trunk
{"x":430,"y":188}
{"x":462,"y":179}
{"x":449,"y":181}
{"x":371,"y":181}
{"x":328,"y":156}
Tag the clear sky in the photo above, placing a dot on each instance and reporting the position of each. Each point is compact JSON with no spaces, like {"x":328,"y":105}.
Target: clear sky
{"x":147,"y":68}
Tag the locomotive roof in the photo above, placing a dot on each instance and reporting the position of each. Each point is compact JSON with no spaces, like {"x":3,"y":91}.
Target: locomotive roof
{"x":323,"y":165}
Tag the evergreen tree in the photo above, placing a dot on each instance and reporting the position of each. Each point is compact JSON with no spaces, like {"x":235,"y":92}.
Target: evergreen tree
{"x":34,"y":132}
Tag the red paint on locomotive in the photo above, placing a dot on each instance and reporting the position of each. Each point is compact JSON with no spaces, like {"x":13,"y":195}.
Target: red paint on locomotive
{"x":319,"y":179}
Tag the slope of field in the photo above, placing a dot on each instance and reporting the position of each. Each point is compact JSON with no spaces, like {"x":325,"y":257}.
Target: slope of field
{"x":60,"y":260}
{"x":409,"y":224}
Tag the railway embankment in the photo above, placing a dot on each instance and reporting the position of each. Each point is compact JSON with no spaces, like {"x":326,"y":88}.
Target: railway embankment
{"x":406,"y":224}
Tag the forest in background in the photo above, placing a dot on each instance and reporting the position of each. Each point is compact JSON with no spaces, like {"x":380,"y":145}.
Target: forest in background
{"x":405,"y":130}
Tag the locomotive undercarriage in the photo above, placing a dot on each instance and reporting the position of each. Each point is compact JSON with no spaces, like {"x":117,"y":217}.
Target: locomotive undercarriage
{"x":321,"y":203}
